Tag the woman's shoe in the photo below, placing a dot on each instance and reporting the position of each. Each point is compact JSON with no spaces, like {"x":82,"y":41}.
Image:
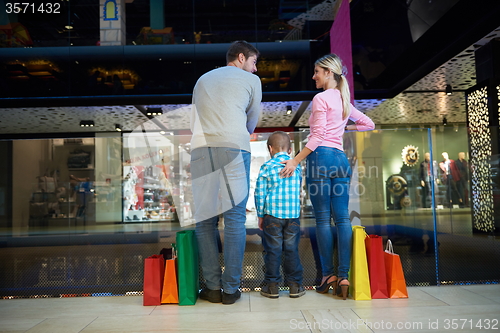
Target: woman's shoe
{"x":325,"y":286}
{"x":343,"y":287}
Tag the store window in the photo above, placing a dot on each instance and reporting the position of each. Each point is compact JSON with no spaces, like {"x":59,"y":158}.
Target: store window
{"x":87,"y":211}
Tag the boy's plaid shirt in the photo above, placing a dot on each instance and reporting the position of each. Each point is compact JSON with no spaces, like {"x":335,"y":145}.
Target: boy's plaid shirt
{"x":276,"y":196}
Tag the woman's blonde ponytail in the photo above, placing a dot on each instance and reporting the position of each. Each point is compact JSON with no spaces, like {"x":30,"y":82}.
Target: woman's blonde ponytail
{"x":333,"y":63}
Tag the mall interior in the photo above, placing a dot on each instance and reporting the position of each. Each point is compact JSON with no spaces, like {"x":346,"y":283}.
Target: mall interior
{"x":95,"y":106}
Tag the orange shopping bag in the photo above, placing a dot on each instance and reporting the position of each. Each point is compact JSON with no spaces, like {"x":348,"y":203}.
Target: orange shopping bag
{"x":153,"y":279}
{"x":376,"y":266}
{"x":396,"y":282}
{"x":170,"y":293}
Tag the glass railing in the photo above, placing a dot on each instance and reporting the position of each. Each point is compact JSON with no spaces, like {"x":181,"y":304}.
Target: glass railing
{"x":91,"y":232}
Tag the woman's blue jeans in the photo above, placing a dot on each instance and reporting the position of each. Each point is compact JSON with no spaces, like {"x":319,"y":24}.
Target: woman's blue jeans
{"x":328,"y":176}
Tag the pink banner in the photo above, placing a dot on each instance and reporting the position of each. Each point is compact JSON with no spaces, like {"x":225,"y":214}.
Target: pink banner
{"x":340,"y":42}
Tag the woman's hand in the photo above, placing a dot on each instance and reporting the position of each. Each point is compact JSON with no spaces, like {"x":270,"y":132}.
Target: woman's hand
{"x":289,"y":168}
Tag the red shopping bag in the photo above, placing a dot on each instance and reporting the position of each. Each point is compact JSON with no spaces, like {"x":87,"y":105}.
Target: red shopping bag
{"x":154,"y":267}
{"x":376,"y":266}
{"x":170,"y":293}
{"x":396,"y":282}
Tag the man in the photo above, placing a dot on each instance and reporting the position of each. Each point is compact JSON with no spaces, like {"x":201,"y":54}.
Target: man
{"x":226,"y":109}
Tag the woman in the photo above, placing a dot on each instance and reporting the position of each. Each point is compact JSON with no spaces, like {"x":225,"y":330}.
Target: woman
{"x":328,"y":172}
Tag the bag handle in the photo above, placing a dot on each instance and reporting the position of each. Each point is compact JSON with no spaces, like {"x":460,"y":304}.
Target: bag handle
{"x":354,"y":227}
{"x":388,"y":247}
{"x":174,"y":250}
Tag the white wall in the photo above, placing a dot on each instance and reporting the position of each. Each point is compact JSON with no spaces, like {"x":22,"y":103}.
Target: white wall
{"x":29,"y":161}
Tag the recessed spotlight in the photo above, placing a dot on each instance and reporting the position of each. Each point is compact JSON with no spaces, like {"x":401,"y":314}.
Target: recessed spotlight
{"x":118,"y":127}
{"x":154,"y":111}
{"x":87,"y":123}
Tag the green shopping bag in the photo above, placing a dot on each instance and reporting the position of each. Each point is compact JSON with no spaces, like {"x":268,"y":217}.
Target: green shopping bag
{"x":187,"y":267}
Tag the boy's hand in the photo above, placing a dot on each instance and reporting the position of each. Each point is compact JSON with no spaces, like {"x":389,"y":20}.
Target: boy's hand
{"x":261,"y":222}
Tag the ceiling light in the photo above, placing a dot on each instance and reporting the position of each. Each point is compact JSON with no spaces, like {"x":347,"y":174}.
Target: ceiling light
{"x":449,"y":90}
{"x":154,"y":111}
{"x":118,"y":127}
{"x":445,"y":121}
{"x":288,"y":109}
{"x":69,"y":27}
{"x":87,"y":123}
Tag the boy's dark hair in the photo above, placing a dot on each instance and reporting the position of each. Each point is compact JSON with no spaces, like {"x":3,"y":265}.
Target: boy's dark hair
{"x":241,"y":46}
{"x":279,"y":141}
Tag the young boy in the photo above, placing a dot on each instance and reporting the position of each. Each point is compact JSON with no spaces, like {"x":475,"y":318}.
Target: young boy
{"x":278,"y":207}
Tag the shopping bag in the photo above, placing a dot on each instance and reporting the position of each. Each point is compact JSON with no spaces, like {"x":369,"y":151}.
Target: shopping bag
{"x":187,"y":267}
{"x":376,"y":266}
{"x":396,"y":282}
{"x":360,"y":280}
{"x":169,"y":293}
{"x":153,"y":279}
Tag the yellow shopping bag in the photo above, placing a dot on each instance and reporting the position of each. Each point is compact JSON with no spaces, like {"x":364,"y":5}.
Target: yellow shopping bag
{"x":360,"y":280}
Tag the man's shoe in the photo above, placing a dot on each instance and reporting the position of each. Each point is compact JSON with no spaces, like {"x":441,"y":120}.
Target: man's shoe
{"x":296,"y":290}
{"x":230,"y":298}
{"x":213,"y":296}
{"x":270,"y":290}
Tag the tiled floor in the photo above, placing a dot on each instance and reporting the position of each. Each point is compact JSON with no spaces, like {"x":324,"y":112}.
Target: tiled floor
{"x":473,"y":308}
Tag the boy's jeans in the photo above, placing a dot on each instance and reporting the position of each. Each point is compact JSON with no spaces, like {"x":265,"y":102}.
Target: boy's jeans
{"x":281,"y":236}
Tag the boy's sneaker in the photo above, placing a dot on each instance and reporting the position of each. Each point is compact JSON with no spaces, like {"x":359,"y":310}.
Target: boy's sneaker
{"x":296,"y":290}
{"x":213,"y":296}
{"x":231,"y":298}
{"x":270,"y":290}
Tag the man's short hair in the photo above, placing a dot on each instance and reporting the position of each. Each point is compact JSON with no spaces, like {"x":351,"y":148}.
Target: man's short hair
{"x":279,"y":140}
{"x":241,"y":46}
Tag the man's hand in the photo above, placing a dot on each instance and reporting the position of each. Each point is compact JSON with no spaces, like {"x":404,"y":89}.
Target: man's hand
{"x":261,"y":222}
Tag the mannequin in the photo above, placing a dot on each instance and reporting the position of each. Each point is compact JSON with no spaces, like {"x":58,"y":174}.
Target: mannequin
{"x":425,"y":179}
{"x":462,"y":184}
{"x":451,"y":176}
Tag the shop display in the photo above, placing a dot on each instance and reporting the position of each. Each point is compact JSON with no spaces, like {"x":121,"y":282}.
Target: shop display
{"x":147,"y":195}
{"x":396,"y":191}
{"x":55,"y":201}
